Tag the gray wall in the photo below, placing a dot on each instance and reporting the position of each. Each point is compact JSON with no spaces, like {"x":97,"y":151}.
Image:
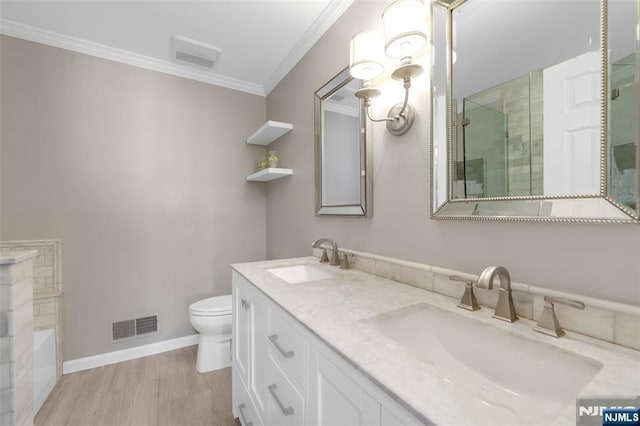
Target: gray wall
{"x":140,"y":174}
{"x":596,"y":260}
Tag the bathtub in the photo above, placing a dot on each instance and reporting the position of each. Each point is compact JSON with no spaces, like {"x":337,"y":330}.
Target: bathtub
{"x":44,"y":365}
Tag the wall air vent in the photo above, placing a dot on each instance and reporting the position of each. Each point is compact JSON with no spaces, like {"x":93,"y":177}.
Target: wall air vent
{"x":134,"y":327}
{"x":146,"y":325}
{"x":123,"y":329}
{"x":191,"y":52}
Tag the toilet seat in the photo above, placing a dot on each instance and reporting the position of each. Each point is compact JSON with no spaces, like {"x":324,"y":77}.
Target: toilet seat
{"x":212,"y":307}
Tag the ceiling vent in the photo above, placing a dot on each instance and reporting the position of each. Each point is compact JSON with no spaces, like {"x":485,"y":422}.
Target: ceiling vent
{"x":187,"y":51}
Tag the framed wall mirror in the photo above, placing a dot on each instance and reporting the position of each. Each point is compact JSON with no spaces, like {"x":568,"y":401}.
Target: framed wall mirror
{"x":342,"y":149}
{"x":535,"y":110}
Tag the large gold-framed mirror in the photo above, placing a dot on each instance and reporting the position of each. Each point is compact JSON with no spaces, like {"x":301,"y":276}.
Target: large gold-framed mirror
{"x":535,"y":110}
{"x":342,"y":149}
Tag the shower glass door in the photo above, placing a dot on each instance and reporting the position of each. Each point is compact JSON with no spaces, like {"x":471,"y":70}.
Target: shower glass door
{"x":623,"y":131}
{"x":485,"y":151}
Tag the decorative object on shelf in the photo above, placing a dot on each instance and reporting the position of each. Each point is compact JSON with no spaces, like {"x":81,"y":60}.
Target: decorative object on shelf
{"x":272,"y":159}
{"x":405,"y":34}
{"x":262,"y":163}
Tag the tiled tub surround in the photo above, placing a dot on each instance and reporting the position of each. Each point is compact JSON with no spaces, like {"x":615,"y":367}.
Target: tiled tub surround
{"x":333,"y":308}
{"x":47,"y":287}
{"x":47,"y":270}
{"x":610,"y":321}
{"x":16,"y":339}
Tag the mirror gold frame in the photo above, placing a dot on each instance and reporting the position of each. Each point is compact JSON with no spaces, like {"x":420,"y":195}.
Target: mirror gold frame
{"x":510,"y":208}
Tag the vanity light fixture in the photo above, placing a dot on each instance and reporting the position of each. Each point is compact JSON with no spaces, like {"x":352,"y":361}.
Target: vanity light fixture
{"x":405,"y":34}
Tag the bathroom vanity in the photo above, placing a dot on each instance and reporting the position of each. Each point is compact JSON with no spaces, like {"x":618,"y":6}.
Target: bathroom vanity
{"x":283,"y":374}
{"x":314,"y":344}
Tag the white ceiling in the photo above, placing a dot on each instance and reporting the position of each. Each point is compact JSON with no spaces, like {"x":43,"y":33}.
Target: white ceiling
{"x":261,"y":40}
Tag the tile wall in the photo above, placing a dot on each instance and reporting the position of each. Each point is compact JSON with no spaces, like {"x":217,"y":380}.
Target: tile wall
{"x":16,"y":339}
{"x":47,"y":286}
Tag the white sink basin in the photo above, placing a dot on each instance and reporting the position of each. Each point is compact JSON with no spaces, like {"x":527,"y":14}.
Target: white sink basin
{"x":507,"y":369}
{"x":301,"y":273}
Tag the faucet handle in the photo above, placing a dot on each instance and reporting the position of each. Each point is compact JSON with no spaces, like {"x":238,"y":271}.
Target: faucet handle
{"x":548,"y":322}
{"x":548,"y":300}
{"x":468,"y":301}
{"x":324,"y":258}
{"x":344,"y":264}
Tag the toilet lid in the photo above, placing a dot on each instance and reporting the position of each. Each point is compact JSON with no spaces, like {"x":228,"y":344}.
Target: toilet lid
{"x":219,"y":305}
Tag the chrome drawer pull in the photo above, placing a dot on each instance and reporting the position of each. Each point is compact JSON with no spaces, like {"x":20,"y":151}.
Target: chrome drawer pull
{"x":274,"y":339}
{"x":244,"y":419}
{"x":286,"y":411}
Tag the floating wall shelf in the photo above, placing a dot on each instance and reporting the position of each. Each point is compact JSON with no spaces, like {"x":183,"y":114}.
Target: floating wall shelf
{"x":269,"y":132}
{"x":269,"y":174}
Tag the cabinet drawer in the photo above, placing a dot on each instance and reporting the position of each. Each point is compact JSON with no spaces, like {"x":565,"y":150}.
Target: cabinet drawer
{"x":285,"y":406}
{"x":287,"y":347}
{"x":242,"y":406}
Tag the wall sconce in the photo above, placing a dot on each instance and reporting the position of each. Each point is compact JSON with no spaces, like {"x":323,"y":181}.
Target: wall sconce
{"x":405,"y":34}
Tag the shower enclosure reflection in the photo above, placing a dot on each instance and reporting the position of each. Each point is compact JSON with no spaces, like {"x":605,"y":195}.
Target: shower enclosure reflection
{"x":525,"y":116}
{"x":623,"y":126}
{"x":499,"y":147}
{"x":507,"y":149}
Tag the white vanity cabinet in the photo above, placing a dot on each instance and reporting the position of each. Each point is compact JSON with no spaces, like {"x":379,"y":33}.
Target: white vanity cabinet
{"x":283,"y":375}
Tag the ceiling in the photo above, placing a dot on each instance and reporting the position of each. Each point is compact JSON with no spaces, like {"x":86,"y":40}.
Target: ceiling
{"x":261,"y":40}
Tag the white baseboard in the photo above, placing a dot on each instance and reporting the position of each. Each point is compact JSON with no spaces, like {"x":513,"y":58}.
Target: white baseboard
{"x":114,"y":357}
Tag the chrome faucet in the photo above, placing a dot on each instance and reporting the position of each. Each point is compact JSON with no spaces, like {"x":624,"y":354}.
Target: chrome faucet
{"x":505,"y":309}
{"x":334,"y":251}
{"x":548,"y":322}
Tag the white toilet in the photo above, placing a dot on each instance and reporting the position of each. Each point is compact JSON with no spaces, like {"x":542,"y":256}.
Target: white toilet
{"x":212,"y":319}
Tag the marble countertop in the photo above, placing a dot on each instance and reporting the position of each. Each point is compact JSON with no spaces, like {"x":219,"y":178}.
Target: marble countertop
{"x":333,"y":308}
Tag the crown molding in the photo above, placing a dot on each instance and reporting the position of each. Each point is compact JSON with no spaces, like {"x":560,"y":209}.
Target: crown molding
{"x":327,"y":18}
{"x":26,"y":32}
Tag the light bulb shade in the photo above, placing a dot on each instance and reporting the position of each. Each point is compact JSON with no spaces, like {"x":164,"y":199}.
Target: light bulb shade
{"x":365,"y":60}
{"x":405,"y":28}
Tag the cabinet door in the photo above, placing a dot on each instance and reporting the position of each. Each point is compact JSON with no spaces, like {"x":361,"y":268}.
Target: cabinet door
{"x":241,"y":328}
{"x":243,"y":409}
{"x":334,"y":399}
{"x":258,"y":312}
